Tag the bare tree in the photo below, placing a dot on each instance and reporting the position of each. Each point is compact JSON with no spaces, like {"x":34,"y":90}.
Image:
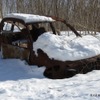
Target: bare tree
{"x":1,"y":13}
{"x":82,"y":14}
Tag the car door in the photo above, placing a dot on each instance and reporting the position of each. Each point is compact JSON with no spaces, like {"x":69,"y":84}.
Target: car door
{"x":15,"y":41}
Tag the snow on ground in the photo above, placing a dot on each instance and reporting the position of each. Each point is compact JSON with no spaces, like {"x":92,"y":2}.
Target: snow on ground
{"x":65,"y":47}
{"x":19,"y":81}
{"x":15,"y":69}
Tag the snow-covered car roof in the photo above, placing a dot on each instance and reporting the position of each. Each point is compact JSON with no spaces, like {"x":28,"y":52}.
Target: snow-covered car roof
{"x":30,"y":18}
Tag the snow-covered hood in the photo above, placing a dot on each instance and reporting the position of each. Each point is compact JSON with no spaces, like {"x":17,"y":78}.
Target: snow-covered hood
{"x":68,"y":48}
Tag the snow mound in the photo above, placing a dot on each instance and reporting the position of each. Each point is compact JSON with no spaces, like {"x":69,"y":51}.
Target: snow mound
{"x":67,"y":48}
{"x":15,"y":69}
{"x":19,"y":81}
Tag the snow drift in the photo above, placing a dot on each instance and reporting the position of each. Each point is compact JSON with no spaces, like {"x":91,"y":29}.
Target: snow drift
{"x":68,"y":48}
{"x":19,"y":81}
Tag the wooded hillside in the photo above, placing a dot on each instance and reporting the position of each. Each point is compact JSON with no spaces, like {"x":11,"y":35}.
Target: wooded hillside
{"x":82,"y":14}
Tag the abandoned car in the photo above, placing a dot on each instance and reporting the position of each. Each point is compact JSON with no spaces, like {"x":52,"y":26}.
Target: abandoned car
{"x":19,"y":34}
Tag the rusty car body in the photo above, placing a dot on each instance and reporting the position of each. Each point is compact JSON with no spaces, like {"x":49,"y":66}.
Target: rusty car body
{"x":16,"y":41}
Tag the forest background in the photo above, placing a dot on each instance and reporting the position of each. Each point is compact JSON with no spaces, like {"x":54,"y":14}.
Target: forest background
{"x":82,"y":14}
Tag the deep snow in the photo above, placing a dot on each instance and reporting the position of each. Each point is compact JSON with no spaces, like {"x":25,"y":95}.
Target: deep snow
{"x":19,"y":81}
{"x":68,"y":48}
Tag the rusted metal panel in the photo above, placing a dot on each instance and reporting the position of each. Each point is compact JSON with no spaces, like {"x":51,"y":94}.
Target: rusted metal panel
{"x":64,"y":69}
{"x":11,"y":51}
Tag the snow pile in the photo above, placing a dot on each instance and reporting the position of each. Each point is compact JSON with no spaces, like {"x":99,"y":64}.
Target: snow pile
{"x":20,"y":82}
{"x":15,"y":70}
{"x":66,"y":48}
{"x":30,"y":17}
{"x":81,"y":87}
